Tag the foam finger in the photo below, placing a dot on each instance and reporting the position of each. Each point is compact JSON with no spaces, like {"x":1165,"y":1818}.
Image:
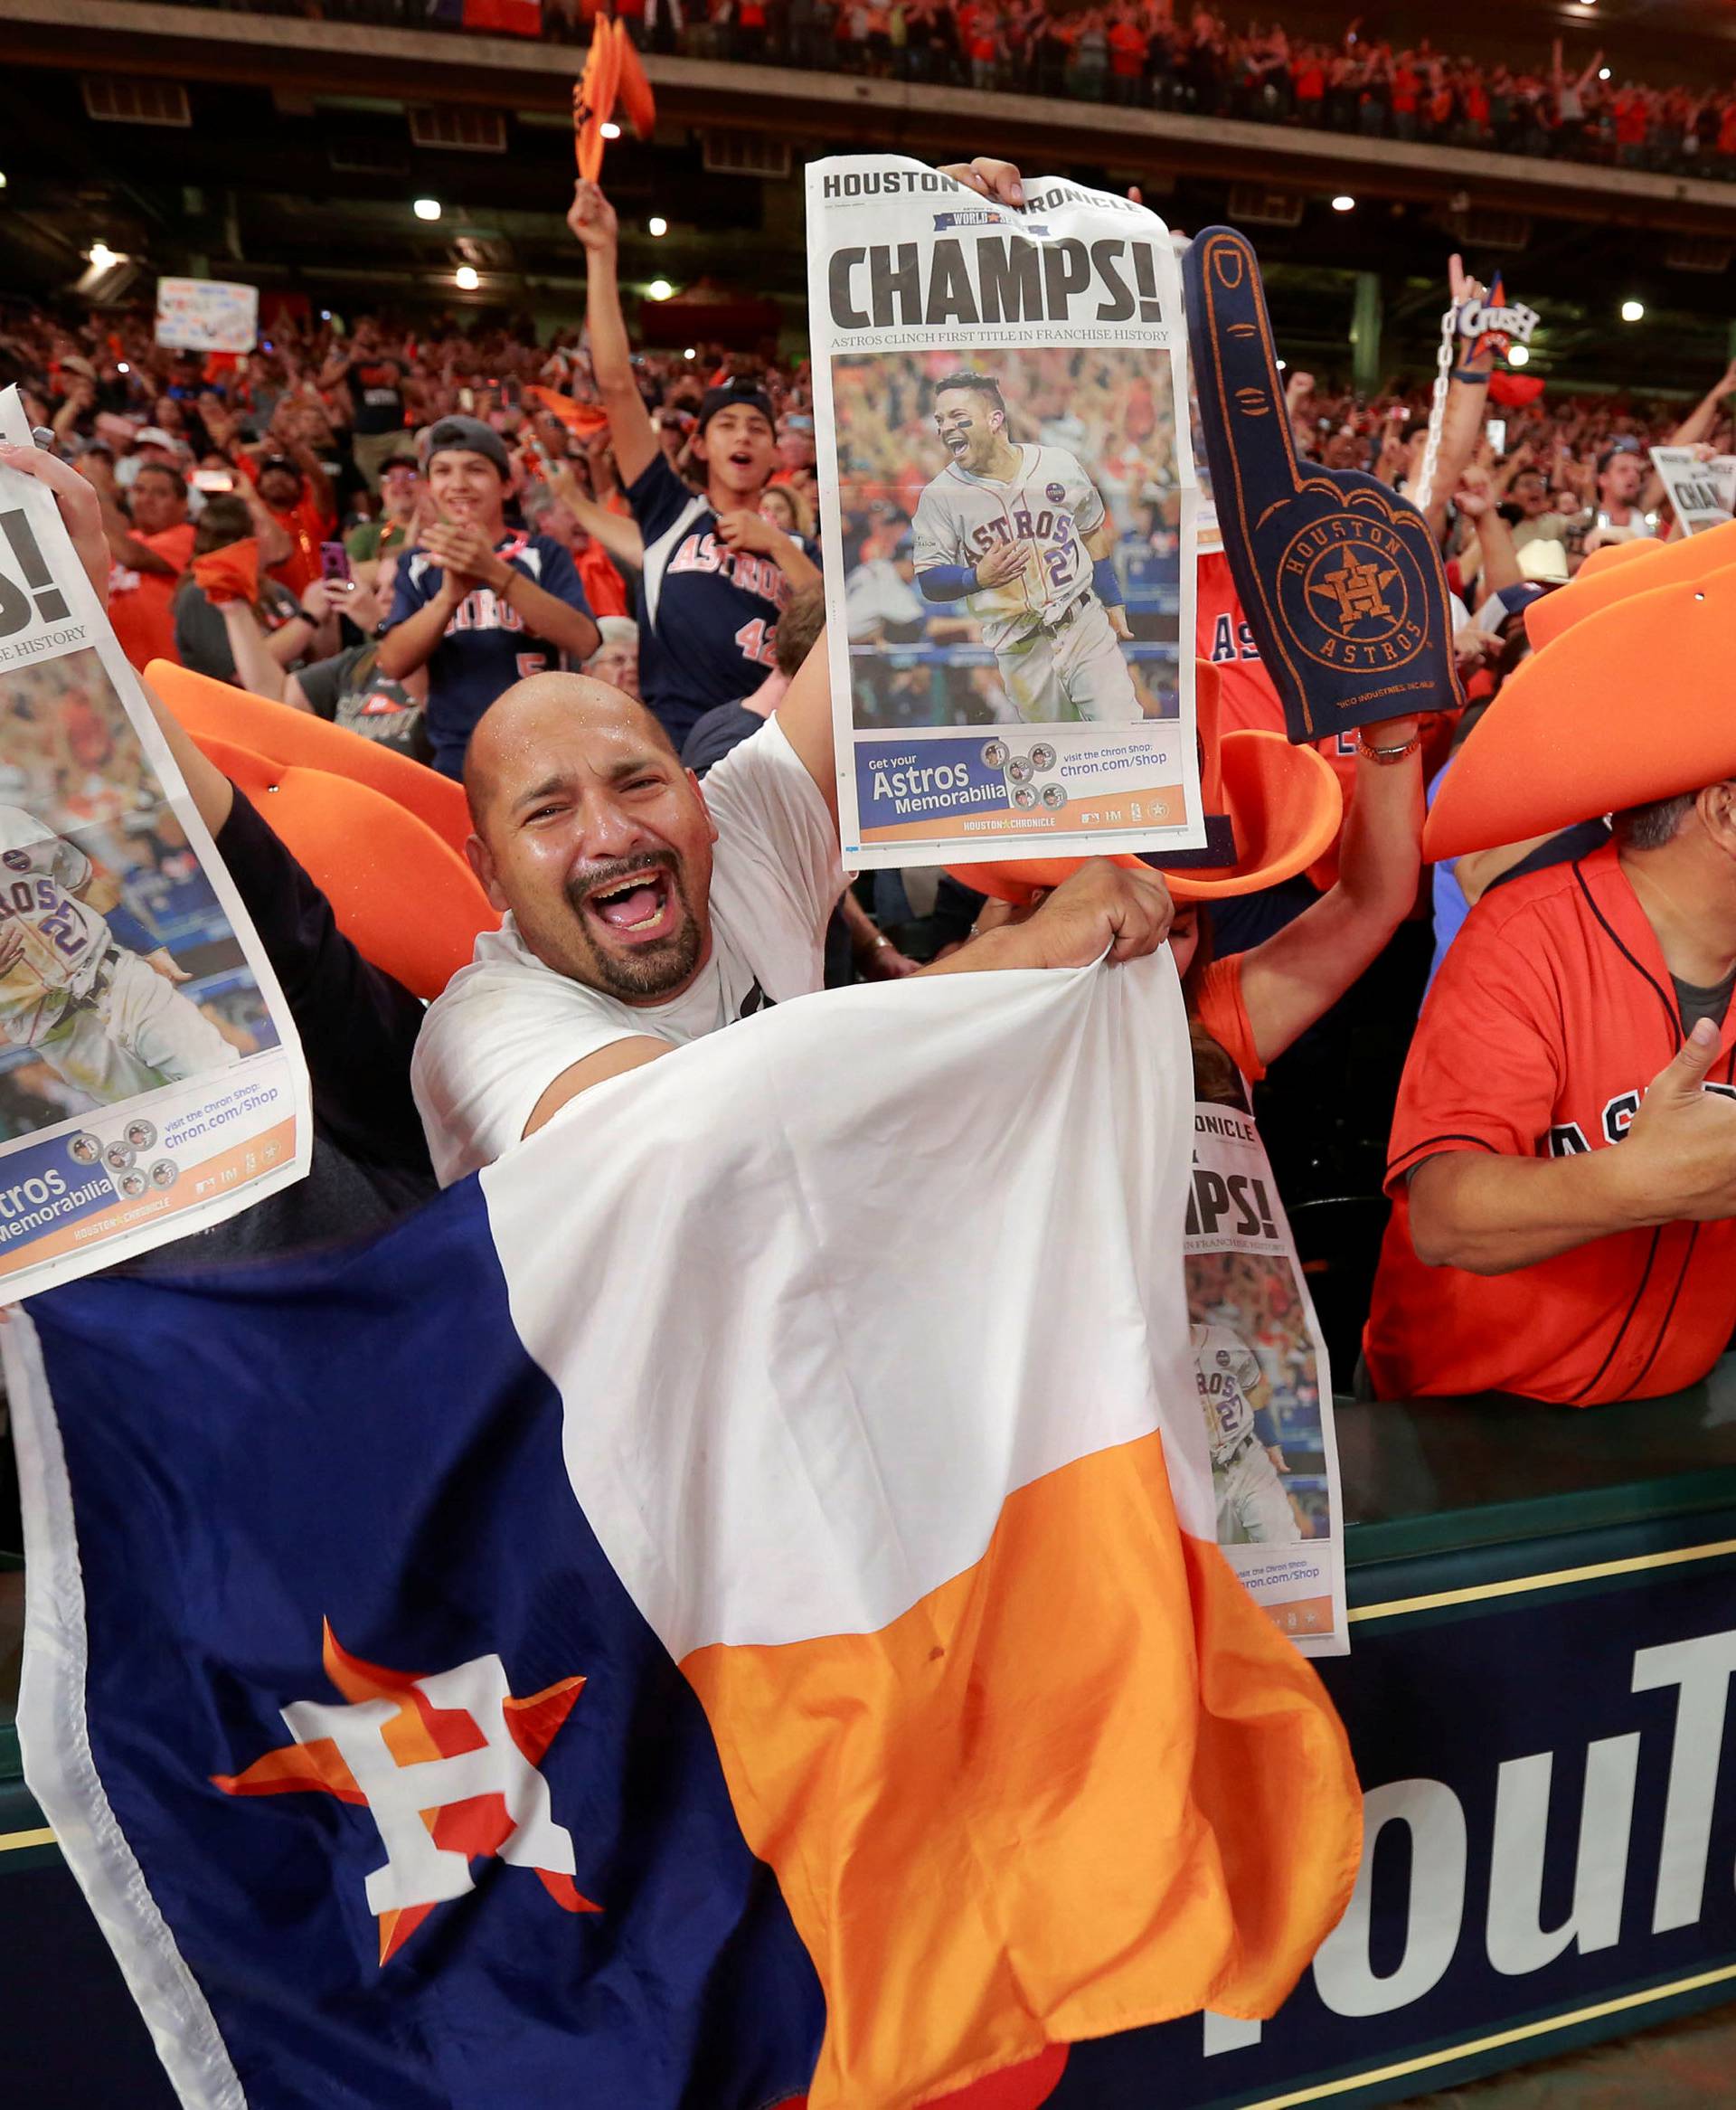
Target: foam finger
{"x":1241,"y":397}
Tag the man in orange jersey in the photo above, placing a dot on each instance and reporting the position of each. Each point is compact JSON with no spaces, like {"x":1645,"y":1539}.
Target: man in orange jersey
{"x":1579,"y":1009}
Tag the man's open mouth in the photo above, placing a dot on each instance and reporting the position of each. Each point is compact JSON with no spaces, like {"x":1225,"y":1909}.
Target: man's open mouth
{"x":742,"y":459}
{"x":638,"y":910}
{"x":955,"y":442}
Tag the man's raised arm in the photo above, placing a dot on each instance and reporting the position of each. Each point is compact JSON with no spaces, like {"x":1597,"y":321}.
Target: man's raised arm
{"x":631,"y":431}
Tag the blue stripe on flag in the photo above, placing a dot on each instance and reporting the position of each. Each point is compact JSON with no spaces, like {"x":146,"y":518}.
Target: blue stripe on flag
{"x":362,"y":1439}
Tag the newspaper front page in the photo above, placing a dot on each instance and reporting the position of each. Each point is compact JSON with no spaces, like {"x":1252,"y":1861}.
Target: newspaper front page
{"x":1702,"y":485}
{"x":1265,"y":1388}
{"x":1007,"y":517}
{"x":151,"y":1080}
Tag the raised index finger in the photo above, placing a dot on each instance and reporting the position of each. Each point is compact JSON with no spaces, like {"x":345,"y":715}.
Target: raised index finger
{"x":1242,"y":413}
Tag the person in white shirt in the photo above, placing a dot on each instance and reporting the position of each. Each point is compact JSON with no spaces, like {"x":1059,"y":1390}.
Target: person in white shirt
{"x":642,"y":912}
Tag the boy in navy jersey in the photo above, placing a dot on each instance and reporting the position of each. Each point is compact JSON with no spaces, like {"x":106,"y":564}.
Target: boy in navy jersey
{"x":716,"y":575}
{"x":481,"y":607}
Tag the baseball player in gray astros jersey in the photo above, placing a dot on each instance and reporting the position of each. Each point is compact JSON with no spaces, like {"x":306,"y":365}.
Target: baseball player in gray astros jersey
{"x":110,"y":1022}
{"x":1020,"y":534}
{"x":1252,"y":1508}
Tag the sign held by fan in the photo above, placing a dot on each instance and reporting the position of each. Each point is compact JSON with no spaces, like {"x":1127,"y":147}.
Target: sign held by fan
{"x":1494,"y":318}
{"x":1339,"y":578}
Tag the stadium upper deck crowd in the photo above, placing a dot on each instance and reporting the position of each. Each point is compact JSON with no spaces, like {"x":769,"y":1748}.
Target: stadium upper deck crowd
{"x":1164,"y":55}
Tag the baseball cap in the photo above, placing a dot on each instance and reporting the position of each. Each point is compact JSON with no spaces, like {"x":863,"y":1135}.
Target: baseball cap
{"x":1626,"y":444}
{"x":280,"y":461}
{"x":1507,"y":601}
{"x":155,"y":436}
{"x":457,"y":435}
{"x":722,"y":399}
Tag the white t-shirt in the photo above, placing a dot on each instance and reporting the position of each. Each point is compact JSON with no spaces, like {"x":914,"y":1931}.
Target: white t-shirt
{"x":508,"y":1026}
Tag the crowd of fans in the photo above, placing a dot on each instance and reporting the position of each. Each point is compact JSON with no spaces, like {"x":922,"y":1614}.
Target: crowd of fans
{"x":1158,"y":54}
{"x":407,"y":529}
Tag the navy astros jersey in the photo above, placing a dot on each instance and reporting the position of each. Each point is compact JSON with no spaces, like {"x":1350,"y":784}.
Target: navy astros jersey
{"x":707,"y":614}
{"x":486,"y":647}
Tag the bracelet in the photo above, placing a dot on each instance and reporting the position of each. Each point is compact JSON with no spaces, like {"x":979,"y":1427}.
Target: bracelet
{"x":881,"y":944}
{"x":1384,"y":757}
{"x":1471,"y":373}
{"x":312,"y":619}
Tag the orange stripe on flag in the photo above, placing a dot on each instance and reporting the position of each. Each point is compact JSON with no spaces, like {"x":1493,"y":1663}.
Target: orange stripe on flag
{"x":981,"y":1866}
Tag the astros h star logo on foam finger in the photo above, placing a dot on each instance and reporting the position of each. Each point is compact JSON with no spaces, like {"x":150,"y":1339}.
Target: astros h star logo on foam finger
{"x":446,"y":1765}
{"x":1339,"y":578}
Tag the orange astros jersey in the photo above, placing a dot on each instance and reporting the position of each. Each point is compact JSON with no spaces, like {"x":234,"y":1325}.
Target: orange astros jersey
{"x":1551,"y":1013}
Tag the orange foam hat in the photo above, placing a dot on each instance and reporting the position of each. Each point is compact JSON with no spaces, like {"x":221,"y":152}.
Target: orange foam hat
{"x":1631,"y":698}
{"x":214,"y":710}
{"x":1594,"y":586}
{"x":230,"y":573}
{"x":400,"y":897}
{"x":1283,"y":804}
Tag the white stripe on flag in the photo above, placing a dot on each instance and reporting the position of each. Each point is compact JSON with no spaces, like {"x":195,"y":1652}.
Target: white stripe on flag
{"x":59,"y":1768}
{"x":820,"y":1291}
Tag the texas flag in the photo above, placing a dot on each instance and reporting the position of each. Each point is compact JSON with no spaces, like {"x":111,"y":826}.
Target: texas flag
{"x":721,"y":1608}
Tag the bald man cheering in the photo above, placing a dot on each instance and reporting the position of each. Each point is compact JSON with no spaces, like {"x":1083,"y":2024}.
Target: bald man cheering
{"x":642,"y":912}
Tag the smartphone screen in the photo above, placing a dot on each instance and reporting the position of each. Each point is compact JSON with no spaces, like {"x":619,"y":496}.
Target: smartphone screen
{"x":1496,"y":429}
{"x":213,"y":481}
{"x":334,"y":560}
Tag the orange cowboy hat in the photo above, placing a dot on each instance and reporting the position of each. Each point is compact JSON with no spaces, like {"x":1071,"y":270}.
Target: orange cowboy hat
{"x":211,"y":709}
{"x":420,"y":925}
{"x":1282,"y":803}
{"x":1630,"y":696}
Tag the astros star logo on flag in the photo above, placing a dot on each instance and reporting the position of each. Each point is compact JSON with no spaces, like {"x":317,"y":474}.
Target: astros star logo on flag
{"x":446,"y":1766}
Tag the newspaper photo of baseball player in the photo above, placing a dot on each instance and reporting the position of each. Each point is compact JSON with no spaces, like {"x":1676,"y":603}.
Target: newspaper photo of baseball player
{"x":1265,"y":1388}
{"x":1006,"y":510}
{"x":151,"y":1077}
{"x":1025,"y":503}
{"x":1253,"y":1366}
{"x":118,"y":972}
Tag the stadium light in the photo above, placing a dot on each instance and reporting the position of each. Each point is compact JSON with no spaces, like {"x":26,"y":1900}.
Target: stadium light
{"x":611,"y":131}
{"x":123,"y":367}
{"x":1633,"y":310}
{"x":427,"y":208}
{"x":1344,"y":203}
{"x":465,"y":279}
{"x":659,"y":289}
{"x":1603,"y":73}
{"x":1518,"y":355}
{"x":691,"y":353}
{"x":103,"y":256}
{"x":658,"y":224}
{"x":2,"y":179}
